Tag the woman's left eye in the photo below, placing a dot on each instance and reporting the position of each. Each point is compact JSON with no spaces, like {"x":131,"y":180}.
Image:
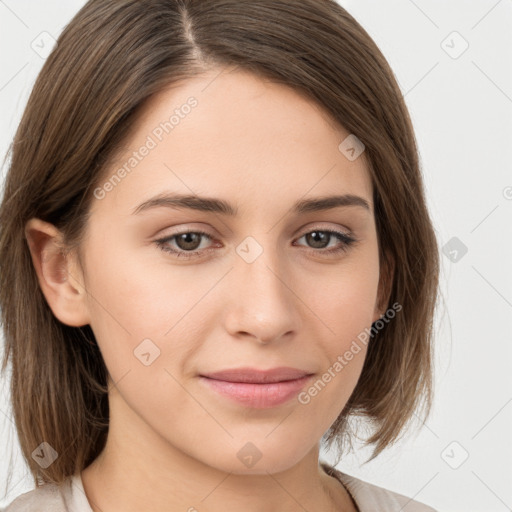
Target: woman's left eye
{"x":189,"y":242}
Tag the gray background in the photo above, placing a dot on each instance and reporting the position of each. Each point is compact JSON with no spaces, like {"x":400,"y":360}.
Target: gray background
{"x":461,"y":106}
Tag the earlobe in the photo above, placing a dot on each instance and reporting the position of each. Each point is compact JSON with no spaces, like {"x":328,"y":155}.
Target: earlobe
{"x":58,"y":273}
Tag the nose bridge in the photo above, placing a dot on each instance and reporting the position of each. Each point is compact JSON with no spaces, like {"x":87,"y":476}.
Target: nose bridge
{"x":263,"y":304}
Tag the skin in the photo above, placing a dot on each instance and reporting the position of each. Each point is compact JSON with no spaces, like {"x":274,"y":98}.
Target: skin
{"x":173,"y":443}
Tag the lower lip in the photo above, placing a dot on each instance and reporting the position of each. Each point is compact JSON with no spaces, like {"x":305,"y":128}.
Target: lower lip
{"x":258,"y":396}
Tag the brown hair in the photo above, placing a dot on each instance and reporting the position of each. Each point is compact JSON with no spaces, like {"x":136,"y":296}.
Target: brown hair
{"x":109,"y":60}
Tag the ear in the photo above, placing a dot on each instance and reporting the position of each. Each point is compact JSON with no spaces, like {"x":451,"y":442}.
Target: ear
{"x":58,"y":273}
{"x":387,"y":275}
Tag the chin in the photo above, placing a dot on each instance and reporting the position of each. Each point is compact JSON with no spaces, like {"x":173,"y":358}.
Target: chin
{"x":258,"y":458}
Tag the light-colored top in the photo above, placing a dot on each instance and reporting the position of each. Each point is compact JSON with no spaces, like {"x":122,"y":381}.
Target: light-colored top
{"x":372,"y":498}
{"x":70,"y":497}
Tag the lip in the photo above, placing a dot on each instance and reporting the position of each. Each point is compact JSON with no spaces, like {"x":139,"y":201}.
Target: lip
{"x":258,"y":389}
{"x":256,"y":376}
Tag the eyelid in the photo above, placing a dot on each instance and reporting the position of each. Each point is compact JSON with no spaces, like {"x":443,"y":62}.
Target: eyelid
{"x":319,"y":227}
{"x":298,"y":234}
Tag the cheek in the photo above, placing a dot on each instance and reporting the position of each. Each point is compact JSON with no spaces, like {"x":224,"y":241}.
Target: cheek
{"x":344,"y":298}
{"x":140,"y":296}
{"x":328,"y":393}
{"x":344,"y":305}
{"x":146,"y":315}
{"x":346,"y":317}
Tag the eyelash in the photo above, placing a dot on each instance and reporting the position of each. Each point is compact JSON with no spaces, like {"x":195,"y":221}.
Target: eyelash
{"x":346,"y":240}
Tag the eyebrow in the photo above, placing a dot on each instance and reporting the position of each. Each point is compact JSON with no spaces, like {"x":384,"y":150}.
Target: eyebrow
{"x":214,"y":205}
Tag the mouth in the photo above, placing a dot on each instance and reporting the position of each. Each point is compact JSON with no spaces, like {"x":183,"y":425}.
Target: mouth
{"x":258,"y":389}
{"x":256,"y":376}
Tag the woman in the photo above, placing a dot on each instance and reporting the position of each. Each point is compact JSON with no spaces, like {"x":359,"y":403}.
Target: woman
{"x":215,"y":252}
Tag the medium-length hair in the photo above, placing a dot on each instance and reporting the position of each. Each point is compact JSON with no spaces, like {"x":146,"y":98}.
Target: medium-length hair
{"x":109,"y":60}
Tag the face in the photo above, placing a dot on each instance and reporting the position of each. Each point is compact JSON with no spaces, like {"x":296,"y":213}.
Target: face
{"x":174,"y":293}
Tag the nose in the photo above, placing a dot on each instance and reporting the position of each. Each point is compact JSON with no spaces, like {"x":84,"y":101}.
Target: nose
{"x":262,"y":305}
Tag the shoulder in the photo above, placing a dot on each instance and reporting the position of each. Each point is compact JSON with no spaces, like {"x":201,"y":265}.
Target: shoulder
{"x":48,"y":497}
{"x":45,"y":497}
{"x":370,"y":498}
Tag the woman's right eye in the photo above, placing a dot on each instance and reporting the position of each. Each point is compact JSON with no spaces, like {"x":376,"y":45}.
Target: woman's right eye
{"x":187,"y":239}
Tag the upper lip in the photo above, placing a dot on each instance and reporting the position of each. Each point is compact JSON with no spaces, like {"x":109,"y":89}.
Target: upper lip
{"x":253,"y":375}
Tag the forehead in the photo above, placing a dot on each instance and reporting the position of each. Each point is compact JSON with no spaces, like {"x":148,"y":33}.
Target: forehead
{"x":233,"y":134}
